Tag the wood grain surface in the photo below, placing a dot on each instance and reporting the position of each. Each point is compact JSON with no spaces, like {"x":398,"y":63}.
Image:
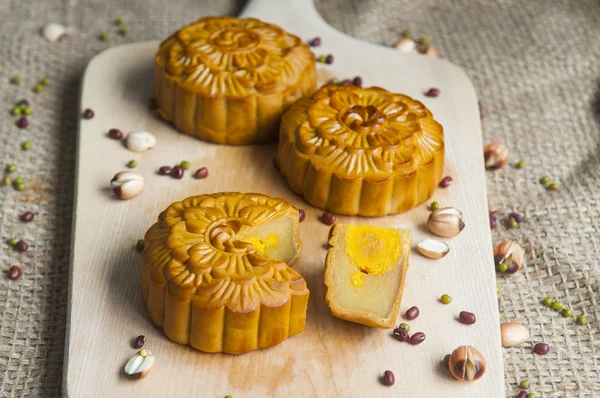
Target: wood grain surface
{"x":332,"y":357}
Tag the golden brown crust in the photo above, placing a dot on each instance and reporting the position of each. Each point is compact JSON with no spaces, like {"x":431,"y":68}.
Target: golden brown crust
{"x":361,"y":151}
{"x":354,"y":315}
{"x":209,"y":289}
{"x":228,"y":80}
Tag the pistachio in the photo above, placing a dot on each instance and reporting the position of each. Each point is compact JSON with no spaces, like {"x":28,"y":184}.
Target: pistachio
{"x":509,"y":256}
{"x":406,"y":45}
{"x":428,"y":50}
{"x":467,"y":363}
{"x":127,"y":184}
{"x":140,"y":364}
{"x":432,"y":248}
{"x":446,"y":222}
{"x":514,"y":333}
{"x":55,"y":32}
{"x":495,"y":155}
{"x":140,"y":141}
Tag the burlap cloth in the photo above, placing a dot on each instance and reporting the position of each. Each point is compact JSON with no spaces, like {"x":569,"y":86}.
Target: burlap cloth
{"x":535,"y":65}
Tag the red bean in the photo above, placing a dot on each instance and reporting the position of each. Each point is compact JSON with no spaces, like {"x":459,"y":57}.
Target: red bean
{"x":541,"y":348}
{"x":316,"y":42}
{"x":88,"y":113}
{"x":201,"y":173}
{"x":22,"y":246}
{"x":301,"y":215}
{"x":446,"y":181}
{"x":357,"y":81}
{"x":177,"y":172}
{"x":468,"y":318}
{"x":140,"y":341}
{"x":328,"y":218}
{"x":329,"y":59}
{"x":517,"y":217}
{"x":412,"y":313}
{"x":433,"y":92}
{"x":27,"y":216}
{"x":115,"y":134}
{"x":22,"y":122}
{"x":346,"y":82}
{"x":417,"y":338}
{"x":522,"y":394}
{"x":14,"y":273}
{"x":401,"y":334}
{"x":388,"y":378}
{"x":165,"y":170}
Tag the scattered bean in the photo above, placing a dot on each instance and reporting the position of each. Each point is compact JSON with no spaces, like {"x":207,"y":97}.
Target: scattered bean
{"x":26,"y":145}
{"x":520,"y":164}
{"x":6,"y":181}
{"x":329,"y":59}
{"x":554,"y":187}
{"x":123,"y":30}
{"x":328,"y":218}
{"x":531,"y":395}
{"x":165,"y":170}
{"x":406,"y":33}
{"x":301,"y":215}
{"x":115,"y":134}
{"x":15,"y":80}
{"x":545,"y":180}
{"x":566,"y":312}
{"x":13,"y":241}
{"x":22,"y":122}
{"x":446,"y":181}
{"x":468,"y":318}
{"x":316,"y":42}
{"x":582,"y":320}
{"x":446,"y":299}
{"x":432,"y":92}
{"x":346,"y":83}
{"x":524,"y":385}
{"x":434,"y":206}
{"x":401,"y":334}
{"x":139,"y":341}
{"x":139,"y":245}
{"x":132,"y":164}
{"x":15,"y":273}
{"x":177,"y":172}
{"x":423,"y":41}
{"x":119,"y":21}
{"x":513,"y":223}
{"x":541,"y":348}
{"x":522,"y":394}
{"x":405,"y":326}
{"x":517,"y":217}
{"x":11,"y":168}
{"x":104,"y":36}
{"x":38,"y":88}
{"x":417,"y":338}
{"x":201,"y":173}
{"x":548,"y":301}
{"x":27,"y":216}
{"x":447,"y":359}
{"x":412,"y":313}
{"x":388,"y":378}
{"x":557,"y":305}
{"x":357,"y":81}
{"x":185,"y":164}
{"x":22,"y":246}
{"x":88,"y":114}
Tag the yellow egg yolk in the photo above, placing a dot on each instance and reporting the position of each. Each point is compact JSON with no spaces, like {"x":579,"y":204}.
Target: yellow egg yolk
{"x":374,"y":250}
{"x":262,"y":244}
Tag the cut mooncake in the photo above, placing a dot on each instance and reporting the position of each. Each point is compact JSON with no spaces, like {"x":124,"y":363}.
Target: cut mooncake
{"x":228,"y":80}
{"x":361,"y":151}
{"x":365,"y":269}
{"x":216,"y":272}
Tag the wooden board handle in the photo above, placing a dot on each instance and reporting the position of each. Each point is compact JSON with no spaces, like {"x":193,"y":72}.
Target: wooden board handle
{"x":291,"y":10}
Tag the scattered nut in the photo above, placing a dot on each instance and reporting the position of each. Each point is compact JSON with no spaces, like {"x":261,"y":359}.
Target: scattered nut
{"x":406,"y":45}
{"x":495,"y":155}
{"x":446,"y":222}
{"x":509,"y":254}
{"x":428,"y":50}
{"x":432,"y":248}
{"x":139,"y":365}
{"x":466,"y":363}
{"x":55,"y":32}
{"x":513,"y":334}
{"x":127,"y":184}
{"x":140,"y":141}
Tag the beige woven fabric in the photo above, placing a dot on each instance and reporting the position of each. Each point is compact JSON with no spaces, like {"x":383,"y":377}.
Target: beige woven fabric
{"x":534,"y":63}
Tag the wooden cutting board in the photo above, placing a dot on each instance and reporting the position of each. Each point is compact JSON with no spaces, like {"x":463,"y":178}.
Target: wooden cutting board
{"x":332,"y":357}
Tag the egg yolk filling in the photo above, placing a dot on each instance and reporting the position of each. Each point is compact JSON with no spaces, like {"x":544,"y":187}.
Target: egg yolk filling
{"x":373,"y":250}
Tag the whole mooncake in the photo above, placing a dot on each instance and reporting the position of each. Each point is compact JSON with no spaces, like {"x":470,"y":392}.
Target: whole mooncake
{"x":216,"y":272}
{"x":361,"y":151}
{"x":228,"y":80}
